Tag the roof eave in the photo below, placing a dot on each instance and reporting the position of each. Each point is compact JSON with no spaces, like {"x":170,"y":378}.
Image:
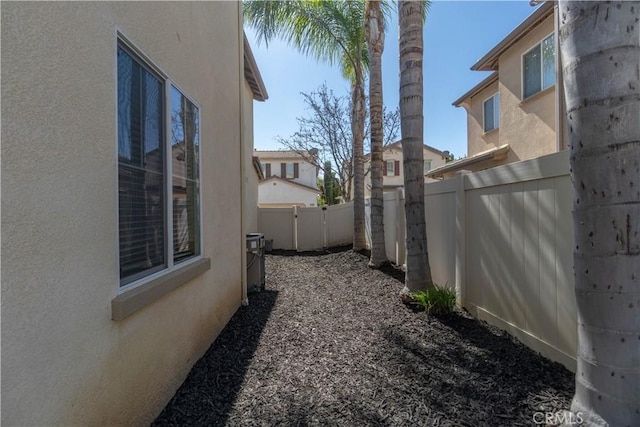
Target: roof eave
{"x":476,"y":89}
{"x":489,"y":62}
{"x":252,"y":74}
{"x":293,"y":183}
{"x":493,"y":154}
{"x":256,"y":165}
{"x":398,"y":145}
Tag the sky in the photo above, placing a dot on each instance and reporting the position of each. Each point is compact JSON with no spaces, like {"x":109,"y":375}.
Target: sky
{"x":456,"y":35}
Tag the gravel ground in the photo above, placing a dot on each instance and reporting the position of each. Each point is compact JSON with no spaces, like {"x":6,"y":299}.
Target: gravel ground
{"x":330,"y":343}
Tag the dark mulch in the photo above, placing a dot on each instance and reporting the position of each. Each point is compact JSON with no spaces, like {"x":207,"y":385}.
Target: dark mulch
{"x":330,"y":343}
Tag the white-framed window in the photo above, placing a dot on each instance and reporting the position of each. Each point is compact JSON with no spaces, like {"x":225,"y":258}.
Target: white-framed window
{"x":491,"y":113}
{"x":427,"y":165}
{"x":539,"y":67}
{"x":158,"y":170}
{"x":289,"y":171}
{"x":390,"y":165}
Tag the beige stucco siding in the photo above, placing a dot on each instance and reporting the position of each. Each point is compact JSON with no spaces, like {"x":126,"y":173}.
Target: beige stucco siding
{"x":480,"y":141}
{"x":64,"y":361}
{"x":250,"y":175}
{"x":528,"y":126}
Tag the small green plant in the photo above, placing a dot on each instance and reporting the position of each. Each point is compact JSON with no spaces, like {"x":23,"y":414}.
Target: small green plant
{"x":436,"y":300}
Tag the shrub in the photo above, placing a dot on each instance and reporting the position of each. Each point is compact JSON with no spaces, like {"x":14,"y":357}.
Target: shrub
{"x":436,"y":300}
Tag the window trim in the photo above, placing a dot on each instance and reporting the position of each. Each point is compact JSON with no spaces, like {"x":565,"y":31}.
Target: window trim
{"x":393,"y":167}
{"x":555,"y":62}
{"x":169,"y":84}
{"x":127,"y":303}
{"x":286,"y":171}
{"x":170,"y":269}
{"x":495,"y":112}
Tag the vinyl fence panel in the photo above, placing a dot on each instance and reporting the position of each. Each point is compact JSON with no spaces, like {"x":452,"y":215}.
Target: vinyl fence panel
{"x":504,"y":238}
{"x":440,"y":209}
{"x":519,"y":253}
{"x":339,"y":221}
{"x":277,"y":224}
{"x":310,"y":226}
{"x":307,"y":229}
{"x":391,"y":201}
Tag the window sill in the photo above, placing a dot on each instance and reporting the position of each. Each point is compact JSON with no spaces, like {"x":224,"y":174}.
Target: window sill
{"x":538,"y":95}
{"x":133,"y":300}
{"x":490,"y":132}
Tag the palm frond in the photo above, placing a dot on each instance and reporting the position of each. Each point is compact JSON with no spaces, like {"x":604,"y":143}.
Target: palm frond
{"x":329,"y":31}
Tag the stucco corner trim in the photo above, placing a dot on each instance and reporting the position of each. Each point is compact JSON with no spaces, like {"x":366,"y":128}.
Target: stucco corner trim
{"x":131,"y":301}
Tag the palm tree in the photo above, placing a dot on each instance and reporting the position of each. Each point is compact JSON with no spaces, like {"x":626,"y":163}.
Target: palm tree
{"x":410,"y":20}
{"x":600,"y":53}
{"x":374,"y":25}
{"x":331,"y":31}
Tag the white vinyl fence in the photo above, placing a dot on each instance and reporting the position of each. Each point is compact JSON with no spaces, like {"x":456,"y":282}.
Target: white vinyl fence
{"x":308,"y":228}
{"x":504,"y":238}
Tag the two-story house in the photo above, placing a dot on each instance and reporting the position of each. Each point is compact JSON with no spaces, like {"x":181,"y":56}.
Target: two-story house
{"x":515,"y":113}
{"x":393,"y":169}
{"x":289,"y":179}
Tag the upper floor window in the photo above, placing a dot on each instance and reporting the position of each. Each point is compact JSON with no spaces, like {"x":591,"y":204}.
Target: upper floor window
{"x":289,"y":170}
{"x":158,"y":171}
{"x":539,"y":67}
{"x":491,"y":113}
{"x":427,"y":165}
{"x":391,"y":168}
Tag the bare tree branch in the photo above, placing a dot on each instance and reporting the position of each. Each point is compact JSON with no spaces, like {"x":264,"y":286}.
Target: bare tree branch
{"x":325,"y":134}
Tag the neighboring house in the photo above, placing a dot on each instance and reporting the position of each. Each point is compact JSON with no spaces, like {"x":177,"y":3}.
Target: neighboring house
{"x":289,"y":179}
{"x":393,"y":168}
{"x":123,"y":236}
{"x":515,"y":112}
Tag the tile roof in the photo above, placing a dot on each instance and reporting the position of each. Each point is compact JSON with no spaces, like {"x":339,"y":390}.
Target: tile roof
{"x":274,"y":154}
{"x":290,"y":182}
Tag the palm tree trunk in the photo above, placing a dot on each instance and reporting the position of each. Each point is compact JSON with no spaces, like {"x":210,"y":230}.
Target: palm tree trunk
{"x":374,"y":24}
{"x":410,"y":17}
{"x":357,"y":128}
{"x":600,"y":53}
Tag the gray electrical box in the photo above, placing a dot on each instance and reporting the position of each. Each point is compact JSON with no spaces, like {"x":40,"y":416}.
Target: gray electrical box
{"x":255,"y":262}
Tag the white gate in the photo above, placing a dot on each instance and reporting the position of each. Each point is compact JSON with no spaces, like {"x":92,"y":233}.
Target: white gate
{"x":307,"y":229}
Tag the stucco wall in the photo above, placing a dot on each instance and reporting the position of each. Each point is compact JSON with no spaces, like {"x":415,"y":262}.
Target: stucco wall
{"x":306,"y":172}
{"x":480,"y":141}
{"x":528,"y":126}
{"x":64,"y":361}
{"x":250,"y":175}
{"x":282,"y":194}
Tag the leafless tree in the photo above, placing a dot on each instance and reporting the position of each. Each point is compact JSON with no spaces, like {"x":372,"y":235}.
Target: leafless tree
{"x":325,"y":134}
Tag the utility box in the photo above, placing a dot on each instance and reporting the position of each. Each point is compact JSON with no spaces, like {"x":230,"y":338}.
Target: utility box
{"x":255,"y":262}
